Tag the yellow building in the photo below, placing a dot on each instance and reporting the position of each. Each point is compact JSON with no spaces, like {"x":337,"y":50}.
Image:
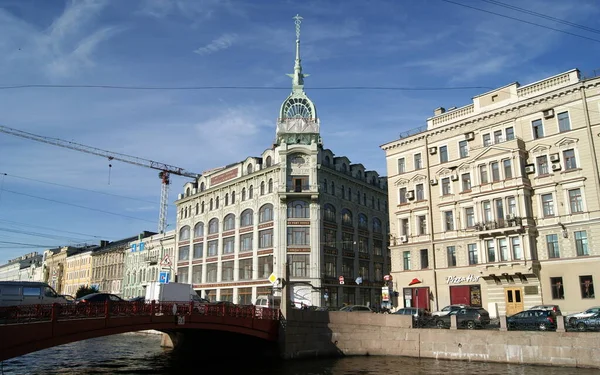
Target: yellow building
{"x":497,"y":203}
{"x":78,"y":271}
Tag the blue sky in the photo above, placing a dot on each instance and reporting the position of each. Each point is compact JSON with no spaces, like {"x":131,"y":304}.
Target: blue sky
{"x":52,"y":196}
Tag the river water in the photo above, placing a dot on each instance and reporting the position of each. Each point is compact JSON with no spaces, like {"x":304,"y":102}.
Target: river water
{"x":138,"y":353}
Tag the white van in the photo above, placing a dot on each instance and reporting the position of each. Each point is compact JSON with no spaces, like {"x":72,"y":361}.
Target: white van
{"x":270,"y":302}
{"x":15,"y":293}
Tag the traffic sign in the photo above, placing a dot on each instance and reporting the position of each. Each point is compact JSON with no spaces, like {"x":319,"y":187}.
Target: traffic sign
{"x":341,"y":279}
{"x":164,"y":277}
{"x":272,"y":278}
{"x":166,"y":261}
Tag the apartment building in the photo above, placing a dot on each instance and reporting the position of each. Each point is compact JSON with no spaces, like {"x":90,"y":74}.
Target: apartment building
{"x":296,"y":203}
{"x":78,"y":271}
{"x":496,"y":203}
{"x":27,"y":267}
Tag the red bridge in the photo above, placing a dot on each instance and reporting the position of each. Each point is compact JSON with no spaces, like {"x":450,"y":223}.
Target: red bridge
{"x":26,"y":329}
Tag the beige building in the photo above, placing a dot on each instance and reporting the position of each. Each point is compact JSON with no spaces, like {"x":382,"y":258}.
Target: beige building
{"x":497,"y":203}
{"x":78,"y":271}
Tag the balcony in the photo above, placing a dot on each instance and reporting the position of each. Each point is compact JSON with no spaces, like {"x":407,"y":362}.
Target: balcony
{"x":510,"y":225}
{"x":151,"y":259}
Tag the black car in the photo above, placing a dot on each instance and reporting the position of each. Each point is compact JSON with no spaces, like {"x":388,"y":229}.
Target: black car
{"x":99,"y":297}
{"x":543,"y":320}
{"x":591,"y":323}
{"x":466,"y":317}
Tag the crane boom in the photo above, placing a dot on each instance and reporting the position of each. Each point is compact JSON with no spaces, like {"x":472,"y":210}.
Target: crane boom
{"x":165,"y":169}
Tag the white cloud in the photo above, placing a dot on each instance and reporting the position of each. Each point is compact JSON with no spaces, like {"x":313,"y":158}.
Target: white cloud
{"x":223,"y":42}
{"x":192,"y":9}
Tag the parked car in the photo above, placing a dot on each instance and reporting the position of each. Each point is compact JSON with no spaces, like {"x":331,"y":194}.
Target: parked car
{"x":590,"y":323}
{"x":553,"y":308}
{"x":137,"y":299}
{"x":571,"y":318}
{"x":68,"y":298}
{"x":543,"y":320}
{"x":446,"y":310}
{"x":356,"y":308}
{"x":421,"y":317}
{"x":466,"y":317}
{"x":99,"y":297}
{"x":17,"y":293}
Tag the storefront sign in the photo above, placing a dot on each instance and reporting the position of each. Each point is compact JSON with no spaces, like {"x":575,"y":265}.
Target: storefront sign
{"x":385,"y":294}
{"x":462,"y":279}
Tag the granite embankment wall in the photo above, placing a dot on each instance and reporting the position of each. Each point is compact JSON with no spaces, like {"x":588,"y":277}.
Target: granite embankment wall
{"x":320,"y":334}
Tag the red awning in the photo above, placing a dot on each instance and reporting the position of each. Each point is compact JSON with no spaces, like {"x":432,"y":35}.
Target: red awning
{"x":414,"y":281}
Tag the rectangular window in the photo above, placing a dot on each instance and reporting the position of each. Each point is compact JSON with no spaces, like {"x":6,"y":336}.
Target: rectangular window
{"x":402,"y":195}
{"x":363,"y":244}
{"x":183,"y":275}
{"x":517,"y":252}
{"x":569,"y":158}
{"x":265,"y":238}
{"x":498,"y":136}
{"x":377,"y":247}
{"x":197,"y":274}
{"x":503,"y":247}
{"x":451,"y":254}
{"x":510,"y":133}
{"x":495,"y":171}
{"x":564,"y":124}
{"x":245,"y":296}
{"x":446,"y":186}
{"x":265,"y":266}
{"x":300,"y":265}
{"x":487,"y":140}
{"x":499,"y":209}
{"x":538,"y":129}
{"x":542,"y":165}
{"x":363,"y":269}
{"x":424,"y":258}
{"x":418,"y":161}
{"x":507,"y":168}
{"x":422,"y":224}
{"x":470,"y":217}
{"x":491,"y":250}
{"x":401,"y":166}
{"x":483,"y":175}
{"x":245,"y":269}
{"x":449,"y":220}
{"x":443,"y":154}
{"x":378,"y":268}
{"x":558,"y":290}
{"x":348,"y":268}
{"x":420,"y":192}
{"x":198,"y":250}
{"x":552,"y":246}
{"x":406,"y":260}
{"x":463,"y":149}
{"x":466,"y":181}
{"x":347,"y":241}
{"x":298,"y":236}
{"x":548,"y":205}
{"x":473,"y":254}
{"x":330,"y":237}
{"x":227,"y":271}
{"x":212,"y":248}
{"x":587,"y":286}
{"x":246,"y":242}
{"x":330,"y":266}
{"x":487,"y":211}
{"x":228,"y":245}
{"x":575,"y":201}
{"x":581,"y":243}
{"x":404,"y":227}
{"x":184,"y":253}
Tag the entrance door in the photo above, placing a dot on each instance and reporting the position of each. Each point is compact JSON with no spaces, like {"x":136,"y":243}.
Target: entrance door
{"x":420,"y":298}
{"x":514,"y":300}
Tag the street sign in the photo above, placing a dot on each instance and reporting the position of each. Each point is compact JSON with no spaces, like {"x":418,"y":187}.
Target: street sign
{"x":341,"y":279}
{"x":358,"y":280}
{"x":272,"y":278}
{"x":166,"y":261}
{"x":163,"y":278}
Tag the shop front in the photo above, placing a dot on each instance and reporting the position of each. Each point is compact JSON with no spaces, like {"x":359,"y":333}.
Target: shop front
{"x":461,"y":289}
{"x":418,"y":297}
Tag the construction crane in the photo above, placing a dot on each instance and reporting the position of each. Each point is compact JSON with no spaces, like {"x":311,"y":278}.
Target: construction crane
{"x":166,"y":170}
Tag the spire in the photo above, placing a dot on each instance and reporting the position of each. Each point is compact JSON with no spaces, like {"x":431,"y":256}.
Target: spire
{"x":298,"y":76}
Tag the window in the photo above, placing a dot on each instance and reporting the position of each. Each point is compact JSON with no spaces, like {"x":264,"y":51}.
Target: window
{"x":575,"y":201}
{"x":569,"y":158}
{"x":199,"y":230}
{"x":348,"y":268}
{"x":499,"y":209}
{"x":184,"y":253}
{"x":243,"y":194}
{"x":495,"y":171}
{"x":406,"y":260}
{"x":483,"y":175}
{"x":470,"y":217}
{"x":329,"y":213}
{"x":466,"y":181}
{"x":487,"y":140}
{"x":211,"y":272}
{"x":262,"y":188}
{"x":418,"y":161}
{"x":517,"y":253}
{"x":245,"y":269}
{"x":473,"y":255}
{"x":507,"y":168}
{"x":363,"y":269}
{"x":542,"y":164}
{"x":184,"y":233}
{"x":558,"y":291}
{"x":538,"y":129}
{"x":498,"y":136}
{"x":346,"y":217}
{"x":298,"y":209}
{"x":232,"y":197}
{"x":228,"y":245}
{"x":265,"y":266}
{"x":443,"y":154}
{"x":213,"y":226}
{"x":330,"y":266}
{"x":420,"y":192}
{"x":270,"y":187}
{"x":376,"y":225}
{"x":265,"y":213}
{"x":463,"y":149}
{"x":404,"y":227}
{"x":510,"y":133}
{"x":298,"y":236}
{"x":491,"y":250}
{"x":227,"y":271}
{"x":250,"y":192}
{"x":363,"y":222}
{"x":552,"y":246}
{"x":265,"y":238}
{"x":246,"y":218}
{"x":347,"y":241}
{"x":581,"y":243}
{"x":246,"y":242}
{"x":183,"y":274}
{"x":198,"y":250}
{"x":377,"y":247}
{"x":401,"y":165}
{"x":268,"y":162}
{"x":226,"y":199}
{"x":564,"y":124}
{"x":212,"y":248}
{"x":503,"y":247}
{"x":446,"y":186}
{"x":197,"y":274}
{"x":587,"y":286}
{"x":451,"y":254}
{"x":424,"y":258}
{"x":229,"y":222}
{"x":449,"y":220}
{"x":299,"y":265}
{"x":217,"y":202}
{"x":422,"y":224}
{"x":363,"y":244}
{"x":402,"y":195}
{"x":547,"y":205}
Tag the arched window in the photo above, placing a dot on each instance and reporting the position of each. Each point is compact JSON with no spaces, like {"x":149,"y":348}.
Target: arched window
{"x":202,"y":207}
{"x":249,"y":169}
{"x":185,"y":212}
{"x":363,"y":223}
{"x":187,"y":192}
{"x":262,"y":188}
{"x":197,"y":208}
{"x":365,"y":199}
{"x":226,"y":199}
{"x":202,"y":186}
{"x":246,"y":218}
{"x":265,"y":213}
{"x":268,"y":162}
{"x":184,"y":233}
{"x":346,"y":217}
{"x":372,"y":202}
{"x":243,"y":194}
{"x":344,"y":168}
{"x":349,"y":194}
{"x":270,"y":188}
{"x":325,"y":186}
{"x":210,"y":205}
{"x":358,"y":197}
{"x":298,"y":209}
{"x":213,"y":226}
{"x":376,"y":225}
{"x":233,"y":197}
{"x":327,"y":160}
{"x":229,"y":222}
{"x":332,"y":188}
{"x":343,"y":192}
{"x":329,"y":213}
{"x":250,"y":192}
{"x":217,"y":202}
{"x":199,"y":230}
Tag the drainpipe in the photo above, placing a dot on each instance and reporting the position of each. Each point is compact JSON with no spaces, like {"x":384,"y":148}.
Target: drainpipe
{"x":588,"y":127}
{"x":431,"y":231}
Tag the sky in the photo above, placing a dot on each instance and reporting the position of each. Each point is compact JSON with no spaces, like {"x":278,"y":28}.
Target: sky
{"x":52,"y":196}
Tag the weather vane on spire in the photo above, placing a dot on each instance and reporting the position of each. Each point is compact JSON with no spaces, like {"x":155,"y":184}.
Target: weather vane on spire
{"x":297,"y":21}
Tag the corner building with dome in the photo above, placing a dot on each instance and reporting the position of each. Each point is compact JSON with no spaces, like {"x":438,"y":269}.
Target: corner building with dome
{"x":296,"y":202}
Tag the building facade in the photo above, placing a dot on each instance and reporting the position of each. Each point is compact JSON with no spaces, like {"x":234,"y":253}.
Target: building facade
{"x":78,"y":271}
{"x":27,"y":267}
{"x":496,"y":203}
{"x":296,"y":203}
{"x":146,"y":260}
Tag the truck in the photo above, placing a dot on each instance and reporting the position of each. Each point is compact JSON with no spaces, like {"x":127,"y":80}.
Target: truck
{"x":172,"y":292}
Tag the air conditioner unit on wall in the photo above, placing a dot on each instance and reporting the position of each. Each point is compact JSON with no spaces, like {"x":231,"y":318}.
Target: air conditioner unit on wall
{"x":529,"y":168}
{"x":432,"y":150}
{"x":549,"y":113}
{"x":410,"y":194}
{"x":433,"y":181}
{"x":469,"y":136}
{"x":403,"y":239}
{"x":554,"y":157}
{"x":556,"y":167}
{"x":454,"y":177}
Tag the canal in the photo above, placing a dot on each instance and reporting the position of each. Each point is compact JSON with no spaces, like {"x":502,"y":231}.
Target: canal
{"x":138,"y":353}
